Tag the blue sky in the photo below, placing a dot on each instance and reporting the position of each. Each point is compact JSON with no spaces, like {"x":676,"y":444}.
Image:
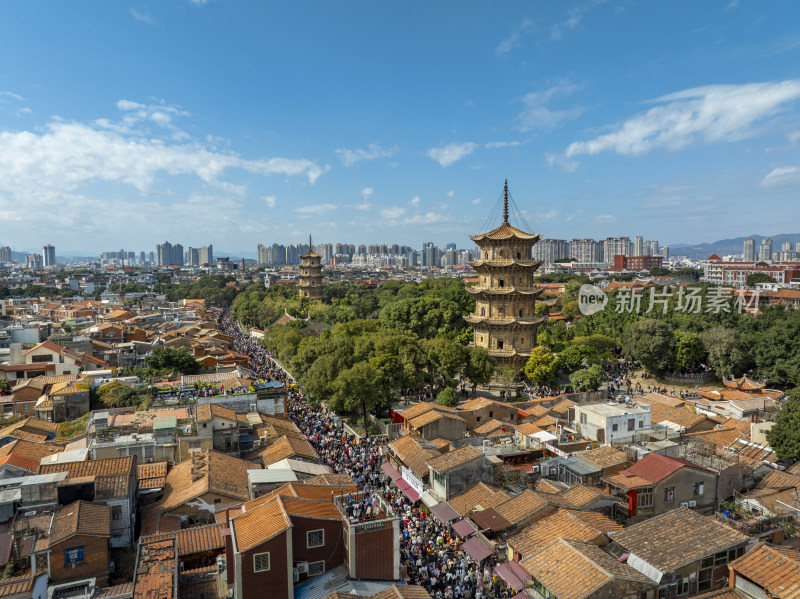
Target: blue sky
{"x":230,"y":122}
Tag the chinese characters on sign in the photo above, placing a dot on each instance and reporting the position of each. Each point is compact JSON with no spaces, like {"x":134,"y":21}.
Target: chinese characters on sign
{"x":689,"y":300}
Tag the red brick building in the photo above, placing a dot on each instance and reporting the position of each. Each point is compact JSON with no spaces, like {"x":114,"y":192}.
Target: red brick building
{"x":78,"y":541}
{"x":637,"y":263}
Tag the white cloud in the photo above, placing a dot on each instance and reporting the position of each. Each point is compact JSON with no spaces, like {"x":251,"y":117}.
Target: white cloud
{"x":415,"y":201}
{"x":392,"y":213}
{"x":429,"y":218}
{"x":270,"y":200}
{"x":477,"y":201}
{"x":536,"y":114}
{"x":704,"y":114}
{"x":513,"y":40}
{"x":366,"y":193}
{"x":783,"y":175}
{"x":559,"y":160}
{"x":572,"y":19}
{"x":451,"y":193}
{"x":373,"y":151}
{"x":502,"y":144}
{"x":605,"y":219}
{"x":142,"y":16}
{"x":451,"y":153}
{"x":316,"y":209}
{"x":11,"y":95}
{"x":549,"y":215}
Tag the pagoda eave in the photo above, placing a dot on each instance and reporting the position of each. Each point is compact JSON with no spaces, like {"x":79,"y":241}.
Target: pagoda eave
{"x":505,"y":291}
{"x":503,"y":322}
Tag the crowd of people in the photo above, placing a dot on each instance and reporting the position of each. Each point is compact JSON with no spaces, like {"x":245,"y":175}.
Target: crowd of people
{"x":430,"y":551}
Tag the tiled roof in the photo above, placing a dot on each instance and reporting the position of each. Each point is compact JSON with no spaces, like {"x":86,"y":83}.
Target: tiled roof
{"x":331,"y":480}
{"x":30,"y":449}
{"x":101,"y":467}
{"x":528,"y":428}
{"x":198,"y":539}
{"x":155,"y":576}
{"x":720,"y":437}
{"x":544,"y":485}
{"x":80,"y":518}
{"x":109,"y":486}
{"x":440,"y":443}
{"x":20,"y":461}
{"x":599,"y":521}
{"x":775,"y":569}
{"x":424,"y":407}
{"x":17,"y":585}
{"x":152,"y":476}
{"x":454,"y":459}
{"x":680,"y":416}
{"x":562,"y":523}
{"x":520,"y":507}
{"x":118,"y":591}
{"x":546,"y":421}
{"x":779,"y":480}
{"x":310,"y":508}
{"x":404,"y":591}
{"x":478,"y":496}
{"x":745,"y":383}
{"x":676,"y":538}
{"x":664,"y":400}
{"x":413,"y":451}
{"x":655,"y":467}
{"x":604,"y":456}
{"x":562,"y":407}
{"x":492,"y":425}
{"x":432,"y":416}
{"x":287,"y":447}
{"x":206,"y":412}
{"x":260,"y":524}
{"x":574,"y":570}
{"x":504,"y":231}
{"x":581,"y":496}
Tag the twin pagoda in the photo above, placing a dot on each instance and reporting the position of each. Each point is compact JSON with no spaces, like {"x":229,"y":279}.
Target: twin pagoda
{"x":505,"y":320}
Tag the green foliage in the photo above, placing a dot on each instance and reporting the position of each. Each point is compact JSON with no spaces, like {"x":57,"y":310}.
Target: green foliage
{"x":758,"y":277}
{"x":72,"y":428}
{"x":445,"y":358}
{"x":116,"y":395}
{"x":726,"y":356}
{"x":541,"y":367}
{"x":689,"y":350}
{"x":447,"y":397}
{"x":650,"y":342}
{"x":168,"y":359}
{"x":5,"y":385}
{"x":575,"y":356}
{"x":588,"y":379}
{"x":570,"y":310}
{"x":213,"y":288}
{"x":541,"y":309}
{"x":784,"y":436}
{"x":480,"y":367}
{"x":360,"y":389}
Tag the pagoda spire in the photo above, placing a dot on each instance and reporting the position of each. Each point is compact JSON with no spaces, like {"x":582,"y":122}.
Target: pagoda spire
{"x":505,"y":203}
{"x":310,"y":247}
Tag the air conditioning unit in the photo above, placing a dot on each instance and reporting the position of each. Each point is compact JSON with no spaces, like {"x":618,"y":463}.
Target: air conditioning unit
{"x":692,"y":504}
{"x":302,"y":567}
{"x":295,"y":574}
{"x":257,"y":443}
{"x":685,"y":504}
{"x":487,"y":443}
{"x":253,"y":407}
{"x":148,"y":460}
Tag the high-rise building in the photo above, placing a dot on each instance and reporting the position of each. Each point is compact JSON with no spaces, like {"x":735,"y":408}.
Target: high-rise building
{"x":5,"y":254}
{"x":33,"y":261}
{"x":169,"y":255}
{"x":654,"y":251}
{"x":765,"y":251}
{"x":786,"y":246}
{"x":749,"y":250}
{"x":638,"y":246}
{"x":616,"y":246}
{"x":584,"y":251}
{"x":205,"y":255}
{"x":48,"y":255}
{"x":505,"y":320}
{"x":310,"y":285}
{"x":797,"y":246}
{"x":549,"y":250}
{"x":664,"y":251}
{"x":193,"y":257}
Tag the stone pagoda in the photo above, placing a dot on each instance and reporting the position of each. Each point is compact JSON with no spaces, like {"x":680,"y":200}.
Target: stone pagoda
{"x":310,"y":274}
{"x":505,"y":320}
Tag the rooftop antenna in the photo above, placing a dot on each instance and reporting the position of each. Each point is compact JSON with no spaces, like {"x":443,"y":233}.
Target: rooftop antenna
{"x":505,"y":203}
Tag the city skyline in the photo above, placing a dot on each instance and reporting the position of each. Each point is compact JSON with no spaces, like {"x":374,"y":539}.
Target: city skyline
{"x":241,"y":123}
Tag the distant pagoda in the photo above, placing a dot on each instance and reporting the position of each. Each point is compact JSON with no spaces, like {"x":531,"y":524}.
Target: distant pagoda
{"x":311,"y":274}
{"x":505,"y":320}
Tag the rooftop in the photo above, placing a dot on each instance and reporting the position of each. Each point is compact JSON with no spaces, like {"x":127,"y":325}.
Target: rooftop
{"x":80,"y":518}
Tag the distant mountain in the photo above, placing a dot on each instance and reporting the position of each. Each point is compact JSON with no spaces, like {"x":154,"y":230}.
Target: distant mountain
{"x":725,"y":247}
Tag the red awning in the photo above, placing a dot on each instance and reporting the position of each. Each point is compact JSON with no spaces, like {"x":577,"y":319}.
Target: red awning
{"x":444,"y":512}
{"x":477,"y":549}
{"x":464,"y":528}
{"x":515,"y":575}
{"x":401,"y":484}
{"x":412,"y":495}
{"x":390,"y":470}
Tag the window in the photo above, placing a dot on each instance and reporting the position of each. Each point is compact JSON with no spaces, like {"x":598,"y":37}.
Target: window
{"x":704,"y":580}
{"x":73,"y":556}
{"x":669,"y":494}
{"x":316,"y":568}
{"x":698,"y":489}
{"x":439,"y":479}
{"x":631,"y":424}
{"x":499,"y":344}
{"x":645,"y":498}
{"x":520,"y":313}
{"x":116,"y":512}
{"x":583,"y":419}
{"x":491,"y":414}
{"x":41,"y":359}
{"x":501,"y":283}
{"x":261,"y":562}
{"x":217,"y":500}
{"x":614,"y":428}
{"x":683,"y":586}
{"x":641,"y":423}
{"x":315,"y":538}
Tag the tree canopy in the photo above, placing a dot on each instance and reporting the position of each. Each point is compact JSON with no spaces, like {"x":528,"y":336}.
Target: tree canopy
{"x":784,"y":436}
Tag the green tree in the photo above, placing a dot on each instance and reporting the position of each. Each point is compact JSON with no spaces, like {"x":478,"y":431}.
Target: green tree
{"x":758,"y":277}
{"x":570,"y":310}
{"x":117,"y":395}
{"x":541,"y":367}
{"x":480,"y":366}
{"x":650,"y":342}
{"x":359,"y":389}
{"x":541,"y":309}
{"x":446,"y":358}
{"x":726,"y":356}
{"x":689,"y":350}
{"x":164,"y":359}
{"x":588,"y":379}
{"x":784,"y":436}
{"x":572,"y":357}
{"x":447,"y":397}
{"x":5,"y":385}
